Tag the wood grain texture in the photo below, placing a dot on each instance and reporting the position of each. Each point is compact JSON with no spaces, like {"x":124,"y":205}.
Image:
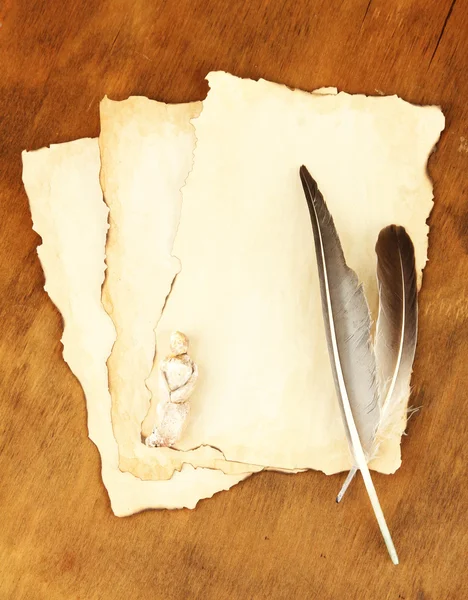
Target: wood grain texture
{"x":273,"y":536}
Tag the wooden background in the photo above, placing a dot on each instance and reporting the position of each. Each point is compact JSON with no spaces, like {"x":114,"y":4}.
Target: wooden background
{"x":273,"y":536}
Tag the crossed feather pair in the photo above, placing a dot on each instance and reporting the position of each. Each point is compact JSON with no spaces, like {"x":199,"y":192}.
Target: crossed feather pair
{"x":372,"y":378}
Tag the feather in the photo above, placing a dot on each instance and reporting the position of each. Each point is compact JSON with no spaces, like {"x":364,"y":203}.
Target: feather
{"x":397,"y":325}
{"x":347,"y":326}
{"x":396,"y":334}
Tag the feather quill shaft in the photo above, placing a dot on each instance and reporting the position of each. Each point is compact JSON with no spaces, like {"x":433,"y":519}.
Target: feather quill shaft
{"x":347,"y":326}
{"x":345,"y":486}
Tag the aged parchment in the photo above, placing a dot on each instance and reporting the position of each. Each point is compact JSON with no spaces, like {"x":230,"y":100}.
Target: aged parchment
{"x":62,"y":183}
{"x":146,"y":154}
{"x":248,"y":292}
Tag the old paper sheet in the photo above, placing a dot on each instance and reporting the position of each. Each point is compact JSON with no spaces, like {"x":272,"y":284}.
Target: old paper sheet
{"x":62,"y":183}
{"x":248,"y":292}
{"x":146,"y":153}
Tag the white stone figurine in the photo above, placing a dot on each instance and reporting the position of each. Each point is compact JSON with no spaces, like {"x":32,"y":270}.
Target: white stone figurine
{"x":177,"y":378}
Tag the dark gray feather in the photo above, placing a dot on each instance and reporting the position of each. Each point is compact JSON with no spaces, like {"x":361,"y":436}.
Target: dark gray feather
{"x":397,"y":324}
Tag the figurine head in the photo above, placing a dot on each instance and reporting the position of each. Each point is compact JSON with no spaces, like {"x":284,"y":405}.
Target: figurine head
{"x":179,"y":343}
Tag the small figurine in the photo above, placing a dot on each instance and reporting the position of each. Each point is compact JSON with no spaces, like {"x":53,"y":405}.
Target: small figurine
{"x":177,"y":377}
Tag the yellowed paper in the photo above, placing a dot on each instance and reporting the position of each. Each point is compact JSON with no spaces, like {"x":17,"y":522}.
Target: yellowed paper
{"x":248,"y":293}
{"x":62,"y":183}
{"x":146,"y":152}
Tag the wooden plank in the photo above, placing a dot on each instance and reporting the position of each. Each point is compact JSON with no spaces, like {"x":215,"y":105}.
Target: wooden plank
{"x":274,"y":536}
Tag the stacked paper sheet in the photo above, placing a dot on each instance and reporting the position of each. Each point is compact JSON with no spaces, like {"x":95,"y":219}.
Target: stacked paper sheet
{"x":204,"y":229}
